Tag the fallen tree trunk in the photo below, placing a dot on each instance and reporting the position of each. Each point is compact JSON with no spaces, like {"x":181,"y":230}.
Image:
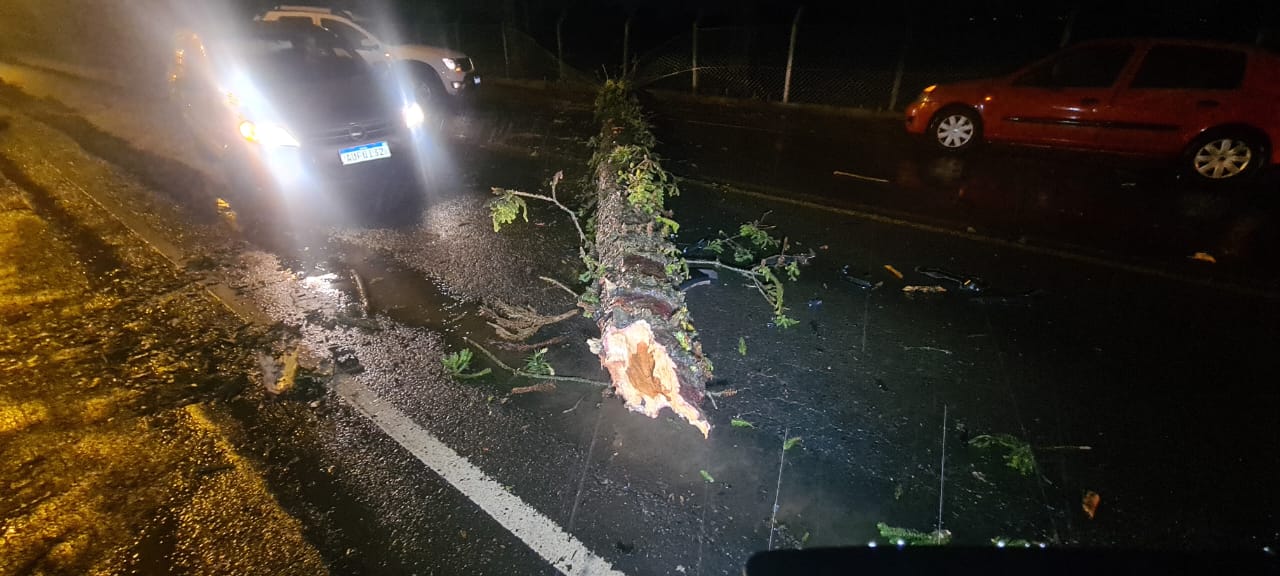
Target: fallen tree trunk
{"x":647,"y":340}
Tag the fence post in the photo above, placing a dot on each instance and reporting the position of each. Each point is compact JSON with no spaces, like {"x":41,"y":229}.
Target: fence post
{"x":506,"y":59}
{"x":695,"y":53}
{"x":791,"y":55}
{"x":901,"y":67}
{"x":626,"y":43}
{"x":560,"y":44}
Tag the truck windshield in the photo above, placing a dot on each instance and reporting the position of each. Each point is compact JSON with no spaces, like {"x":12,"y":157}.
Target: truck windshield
{"x":299,"y":57}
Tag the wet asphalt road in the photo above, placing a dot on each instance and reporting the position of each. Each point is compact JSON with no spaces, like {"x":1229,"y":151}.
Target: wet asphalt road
{"x":1165,"y":380}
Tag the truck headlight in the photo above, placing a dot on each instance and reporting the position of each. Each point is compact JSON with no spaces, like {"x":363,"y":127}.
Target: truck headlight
{"x":413,"y":115}
{"x":451,"y":64}
{"x":267,"y":134}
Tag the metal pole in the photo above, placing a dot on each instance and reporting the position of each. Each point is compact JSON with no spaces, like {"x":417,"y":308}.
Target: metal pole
{"x":695,"y":53}
{"x":898,"y":71}
{"x":1066,"y":28}
{"x":560,"y":44}
{"x":791,"y":55}
{"x":506,"y":59}
{"x":626,"y":44}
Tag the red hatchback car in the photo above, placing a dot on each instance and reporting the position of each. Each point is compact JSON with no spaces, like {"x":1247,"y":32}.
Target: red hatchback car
{"x":1214,"y":107}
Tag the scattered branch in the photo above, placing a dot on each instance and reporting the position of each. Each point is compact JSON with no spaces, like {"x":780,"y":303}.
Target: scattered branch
{"x":498,"y":206}
{"x":524,"y":374}
{"x":1020,"y":457}
{"x":515,"y":324}
{"x":561,"y":339}
{"x":555,"y":282}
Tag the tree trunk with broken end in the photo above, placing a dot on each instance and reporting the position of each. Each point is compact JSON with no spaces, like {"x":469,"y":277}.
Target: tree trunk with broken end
{"x":647,"y":341}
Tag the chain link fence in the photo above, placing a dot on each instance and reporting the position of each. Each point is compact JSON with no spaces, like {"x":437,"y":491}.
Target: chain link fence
{"x":800,"y":60}
{"x":824,"y":56}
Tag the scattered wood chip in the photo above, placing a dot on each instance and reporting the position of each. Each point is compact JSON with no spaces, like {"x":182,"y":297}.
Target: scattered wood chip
{"x":1090,"y":503}
{"x":726,"y":393}
{"x":539,"y":387}
{"x":924,"y":289}
{"x":1204,"y":257}
{"x":894,"y":271}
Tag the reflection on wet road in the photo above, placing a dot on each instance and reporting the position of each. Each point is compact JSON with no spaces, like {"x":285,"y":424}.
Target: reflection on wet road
{"x":1128,"y":209}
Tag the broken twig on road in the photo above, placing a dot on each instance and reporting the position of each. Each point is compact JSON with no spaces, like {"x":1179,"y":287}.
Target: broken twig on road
{"x":524,"y":374}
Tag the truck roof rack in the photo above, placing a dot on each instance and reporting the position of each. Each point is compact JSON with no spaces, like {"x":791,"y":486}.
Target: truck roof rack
{"x":303,"y":8}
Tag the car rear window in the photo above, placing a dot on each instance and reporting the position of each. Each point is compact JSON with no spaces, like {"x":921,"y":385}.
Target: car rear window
{"x":1191,"y":67}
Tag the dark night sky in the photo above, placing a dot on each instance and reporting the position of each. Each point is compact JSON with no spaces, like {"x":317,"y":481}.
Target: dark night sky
{"x":832,"y":33}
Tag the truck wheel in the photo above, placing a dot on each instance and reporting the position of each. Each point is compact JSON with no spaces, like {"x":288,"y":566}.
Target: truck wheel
{"x":427,"y":87}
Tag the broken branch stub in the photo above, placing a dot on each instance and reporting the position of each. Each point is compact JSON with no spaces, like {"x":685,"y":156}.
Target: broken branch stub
{"x":648,"y":343}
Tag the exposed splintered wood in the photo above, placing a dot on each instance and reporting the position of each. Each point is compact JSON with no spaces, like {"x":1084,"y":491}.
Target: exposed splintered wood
{"x":647,"y":343}
{"x":647,"y":378}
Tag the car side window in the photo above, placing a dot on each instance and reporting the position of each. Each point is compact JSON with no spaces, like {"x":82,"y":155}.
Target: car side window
{"x":1088,"y":67}
{"x":350,"y":34}
{"x":296,"y":20}
{"x":1191,"y":67}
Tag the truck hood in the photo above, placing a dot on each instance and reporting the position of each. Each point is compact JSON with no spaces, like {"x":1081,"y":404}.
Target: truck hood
{"x":429,"y":54}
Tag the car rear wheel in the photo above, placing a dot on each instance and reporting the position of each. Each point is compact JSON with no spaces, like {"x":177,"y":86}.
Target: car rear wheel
{"x":955,"y":129}
{"x":1226,"y":155}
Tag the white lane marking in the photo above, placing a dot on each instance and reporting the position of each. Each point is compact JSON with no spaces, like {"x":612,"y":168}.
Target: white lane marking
{"x":859,"y":177}
{"x":540,"y":533}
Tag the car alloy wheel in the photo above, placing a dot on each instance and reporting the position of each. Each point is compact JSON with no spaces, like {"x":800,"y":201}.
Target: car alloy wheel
{"x":955,"y":130}
{"x":1223,"y":158}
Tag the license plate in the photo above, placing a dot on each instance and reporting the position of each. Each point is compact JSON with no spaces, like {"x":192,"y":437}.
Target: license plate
{"x":364,"y":153}
{"x":477,"y":80}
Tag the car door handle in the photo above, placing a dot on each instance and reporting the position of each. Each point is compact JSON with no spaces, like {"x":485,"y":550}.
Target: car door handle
{"x":1207,"y":104}
{"x":1089,"y":101}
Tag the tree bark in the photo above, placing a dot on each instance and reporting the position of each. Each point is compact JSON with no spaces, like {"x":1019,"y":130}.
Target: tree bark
{"x":647,"y":341}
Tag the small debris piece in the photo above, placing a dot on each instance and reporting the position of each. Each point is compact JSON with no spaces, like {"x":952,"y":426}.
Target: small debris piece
{"x":856,"y":280}
{"x":924,"y":289}
{"x":1204,"y":257}
{"x":881,"y":385}
{"x":791,"y":442}
{"x":726,"y":393}
{"x":539,"y":387}
{"x":742,"y":346}
{"x":814,"y":303}
{"x":699,"y":277}
{"x":1090,"y":503}
{"x":740,"y":423}
{"x":894,"y":271}
{"x":909,"y":537}
{"x":706,"y":476}
{"x":284,"y":380}
{"x":963,"y":282}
